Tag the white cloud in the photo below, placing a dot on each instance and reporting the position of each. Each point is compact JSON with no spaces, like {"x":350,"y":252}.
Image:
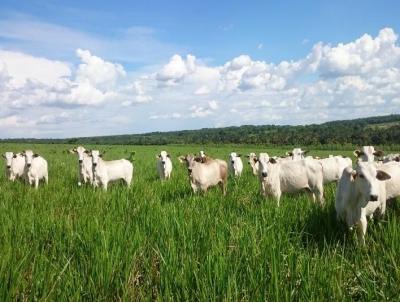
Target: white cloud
{"x":358,"y":78}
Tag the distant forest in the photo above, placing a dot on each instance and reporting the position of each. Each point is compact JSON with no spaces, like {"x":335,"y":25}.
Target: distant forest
{"x":380,"y":130}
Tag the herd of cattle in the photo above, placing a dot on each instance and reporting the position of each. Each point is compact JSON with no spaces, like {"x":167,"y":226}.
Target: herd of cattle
{"x":362,"y":190}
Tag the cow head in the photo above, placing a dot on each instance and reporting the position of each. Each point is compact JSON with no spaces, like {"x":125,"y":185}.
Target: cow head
{"x":263,"y":160}
{"x":9,"y":157}
{"x":163,"y":157}
{"x":367,"y":153}
{"x":366,"y":178}
{"x":96,"y":158}
{"x":297,"y":153}
{"x":29,"y":156}
{"x":191,"y":161}
{"x":80,"y":151}
{"x":233,"y":157}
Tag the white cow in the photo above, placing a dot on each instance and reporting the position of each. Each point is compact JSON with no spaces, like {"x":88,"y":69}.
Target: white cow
{"x":164,"y":165}
{"x":333,"y":166}
{"x":85,"y":165}
{"x":290,"y":177}
{"x":361,"y":193}
{"x":253,"y":162}
{"x":204,"y":175}
{"x":367,"y":153}
{"x":15,"y":165}
{"x":235,"y":164}
{"x":296,"y":153}
{"x":35,"y":168}
{"x":109,"y":171}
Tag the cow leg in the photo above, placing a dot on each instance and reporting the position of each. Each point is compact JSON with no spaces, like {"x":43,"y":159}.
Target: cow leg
{"x":362,"y":229}
{"x":36,"y":182}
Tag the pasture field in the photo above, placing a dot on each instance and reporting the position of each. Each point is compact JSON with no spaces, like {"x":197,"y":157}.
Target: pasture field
{"x":159,"y":241}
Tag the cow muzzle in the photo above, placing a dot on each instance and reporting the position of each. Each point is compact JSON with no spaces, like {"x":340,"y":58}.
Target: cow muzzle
{"x":28,"y":165}
{"x":373,"y":197}
{"x":163,"y":162}
{"x":190,"y":171}
{"x":80,"y":161}
{"x":264,"y":174}
{"x":232,"y":162}
{"x":8,"y":167}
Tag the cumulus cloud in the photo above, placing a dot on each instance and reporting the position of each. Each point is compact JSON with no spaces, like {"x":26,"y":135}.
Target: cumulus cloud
{"x":352,"y":79}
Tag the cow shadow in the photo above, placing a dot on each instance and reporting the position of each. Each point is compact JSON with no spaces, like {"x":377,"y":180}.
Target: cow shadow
{"x":321,"y":229}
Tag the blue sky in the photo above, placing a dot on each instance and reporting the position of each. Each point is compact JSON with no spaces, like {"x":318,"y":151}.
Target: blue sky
{"x":123,"y":66}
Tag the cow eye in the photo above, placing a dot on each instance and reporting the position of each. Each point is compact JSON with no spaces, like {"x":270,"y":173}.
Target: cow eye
{"x":361,"y":175}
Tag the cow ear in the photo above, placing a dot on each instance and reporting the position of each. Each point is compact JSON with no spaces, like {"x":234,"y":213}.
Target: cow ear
{"x":379,"y":153}
{"x":289,"y":153}
{"x":103,"y":152}
{"x":272,"y":160}
{"x":358,"y":153}
{"x":382,"y":175}
{"x":36,"y":155}
{"x":87,"y":151}
{"x":306,"y":151}
{"x":14,"y":156}
{"x":158,"y":156}
{"x":181,"y":159}
{"x":3,"y":156}
{"x":255,"y":159}
{"x":72,"y":151}
{"x":101,"y":155}
{"x":168,"y":156}
{"x":248,"y":156}
{"x":239,"y":155}
{"x":199,"y":159}
{"x":353,"y":175}
{"x":397,"y":158}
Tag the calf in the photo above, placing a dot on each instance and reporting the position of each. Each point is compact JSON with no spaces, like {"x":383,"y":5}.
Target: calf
{"x":361,"y":193}
{"x":85,"y":165}
{"x":15,"y":165}
{"x":204,"y":175}
{"x":235,"y":164}
{"x":164,"y":165}
{"x":253,"y":162}
{"x":333,"y":166}
{"x":367,"y":153}
{"x":109,"y":171}
{"x":290,"y":177}
{"x":35,"y":168}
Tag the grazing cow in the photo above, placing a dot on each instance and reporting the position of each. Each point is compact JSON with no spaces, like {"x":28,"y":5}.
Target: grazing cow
{"x":367,"y":153}
{"x":85,"y":165}
{"x":361,"y":193}
{"x":35,"y":168}
{"x":290,"y":177}
{"x":109,"y":171}
{"x":253,"y":162}
{"x":296,"y":154}
{"x":204,"y":175}
{"x":391,"y":158}
{"x":15,"y":165}
{"x":235,"y":164}
{"x":164,"y":165}
{"x":333,"y":166}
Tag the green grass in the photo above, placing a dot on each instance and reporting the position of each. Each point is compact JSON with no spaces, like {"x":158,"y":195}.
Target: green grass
{"x":159,"y":241}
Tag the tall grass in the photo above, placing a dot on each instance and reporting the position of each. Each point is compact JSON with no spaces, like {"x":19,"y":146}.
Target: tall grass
{"x":158,"y":241}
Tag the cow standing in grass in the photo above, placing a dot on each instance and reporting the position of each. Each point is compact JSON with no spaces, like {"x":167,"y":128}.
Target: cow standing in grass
{"x":290,"y":177}
{"x":204,"y":175}
{"x":15,"y":165}
{"x":164,"y":165}
{"x":85,"y":165}
{"x":35,"y":168}
{"x":109,"y":171}
{"x":361,"y":193}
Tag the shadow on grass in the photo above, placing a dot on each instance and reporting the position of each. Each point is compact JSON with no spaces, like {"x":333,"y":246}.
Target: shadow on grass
{"x":321,"y":228}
